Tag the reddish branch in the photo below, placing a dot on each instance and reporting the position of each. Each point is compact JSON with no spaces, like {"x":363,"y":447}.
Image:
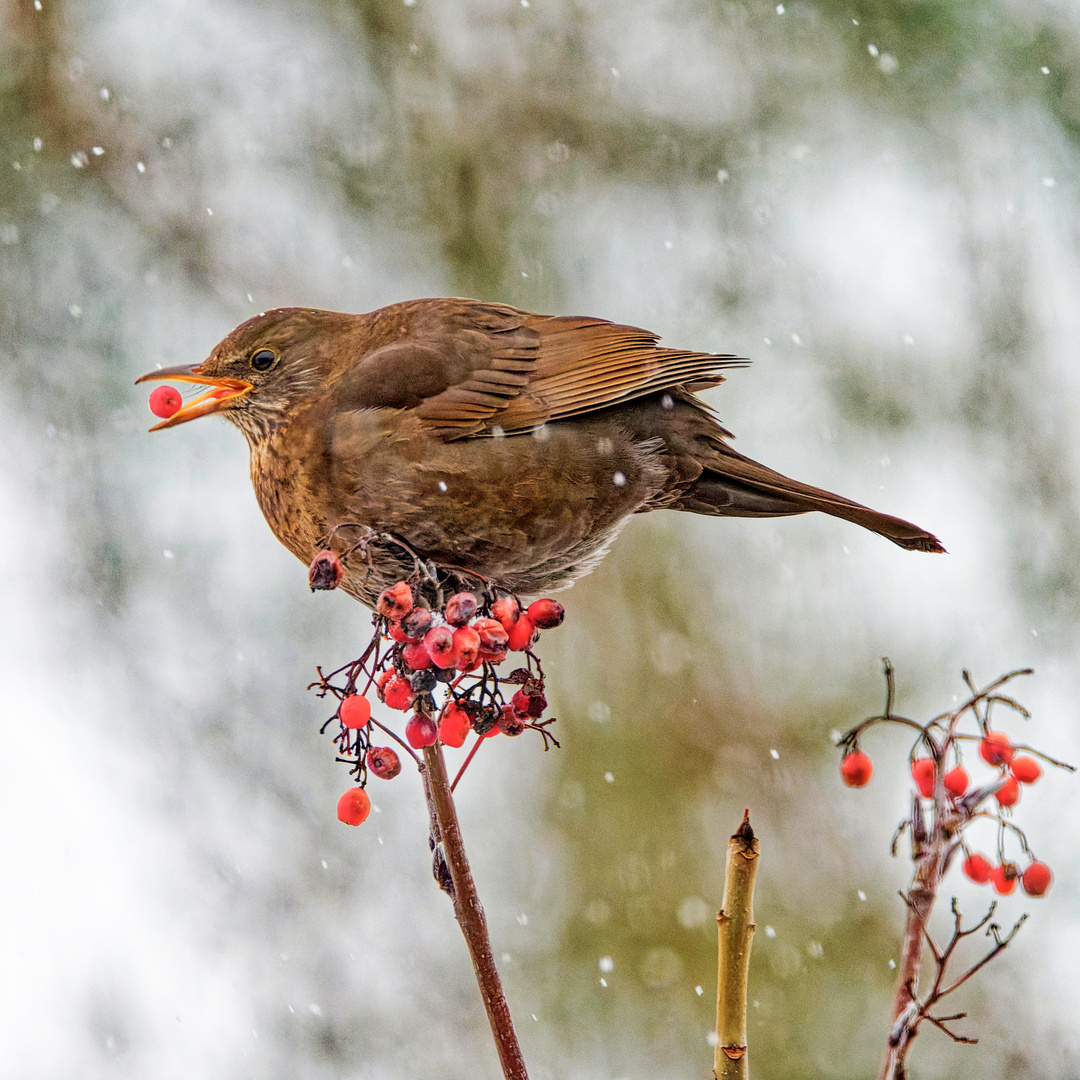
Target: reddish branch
{"x":458,"y":882}
{"x":933,"y":846}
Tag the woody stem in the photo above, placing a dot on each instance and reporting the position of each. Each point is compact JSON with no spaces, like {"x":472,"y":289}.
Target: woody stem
{"x":469,"y":912}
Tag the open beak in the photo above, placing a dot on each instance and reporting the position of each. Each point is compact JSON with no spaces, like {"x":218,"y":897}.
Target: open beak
{"x":221,"y":392}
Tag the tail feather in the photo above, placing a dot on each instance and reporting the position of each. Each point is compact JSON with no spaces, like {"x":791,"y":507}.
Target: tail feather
{"x":736,"y":486}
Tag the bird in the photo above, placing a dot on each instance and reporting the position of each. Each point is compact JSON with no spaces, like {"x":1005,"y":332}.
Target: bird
{"x":468,"y":437}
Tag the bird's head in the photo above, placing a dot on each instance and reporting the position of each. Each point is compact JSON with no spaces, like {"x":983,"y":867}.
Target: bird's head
{"x":256,"y":374}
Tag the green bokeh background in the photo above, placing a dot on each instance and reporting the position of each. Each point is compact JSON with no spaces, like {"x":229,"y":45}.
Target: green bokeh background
{"x":876,"y":202}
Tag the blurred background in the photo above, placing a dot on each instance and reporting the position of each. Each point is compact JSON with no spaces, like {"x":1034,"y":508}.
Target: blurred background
{"x":875,"y":201}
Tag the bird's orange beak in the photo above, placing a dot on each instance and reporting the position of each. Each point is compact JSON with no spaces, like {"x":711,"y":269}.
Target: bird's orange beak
{"x":221,"y":393}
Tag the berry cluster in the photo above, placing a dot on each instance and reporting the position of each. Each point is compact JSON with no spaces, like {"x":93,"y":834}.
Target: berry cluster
{"x":944,"y":806}
{"x":939,"y":775}
{"x":439,"y":664}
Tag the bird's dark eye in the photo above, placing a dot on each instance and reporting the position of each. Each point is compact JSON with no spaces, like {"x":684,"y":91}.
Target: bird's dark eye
{"x":263,"y":360}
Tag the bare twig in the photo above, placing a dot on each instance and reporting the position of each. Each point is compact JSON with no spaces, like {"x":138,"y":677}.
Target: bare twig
{"x":450,"y":852}
{"x":736,"y":933}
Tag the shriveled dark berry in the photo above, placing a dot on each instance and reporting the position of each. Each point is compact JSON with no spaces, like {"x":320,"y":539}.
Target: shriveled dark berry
{"x":423,"y":681}
{"x":383,"y":762}
{"x":325,"y":571}
{"x":417,"y":623}
{"x":509,"y":722}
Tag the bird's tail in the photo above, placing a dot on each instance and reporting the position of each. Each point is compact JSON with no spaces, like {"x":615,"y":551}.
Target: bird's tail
{"x":737,"y":486}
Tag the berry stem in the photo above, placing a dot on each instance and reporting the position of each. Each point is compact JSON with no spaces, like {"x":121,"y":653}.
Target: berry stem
{"x":446,"y":835}
{"x":735,"y":927}
{"x":480,"y":740}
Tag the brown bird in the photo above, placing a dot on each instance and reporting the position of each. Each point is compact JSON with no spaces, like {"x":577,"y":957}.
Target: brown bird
{"x":483,"y":438}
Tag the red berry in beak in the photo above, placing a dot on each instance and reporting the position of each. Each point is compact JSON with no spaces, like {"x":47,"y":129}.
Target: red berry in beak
{"x":165,"y":401}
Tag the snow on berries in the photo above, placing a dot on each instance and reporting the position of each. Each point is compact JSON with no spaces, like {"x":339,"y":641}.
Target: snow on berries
{"x":165,"y":401}
{"x":436,"y":657}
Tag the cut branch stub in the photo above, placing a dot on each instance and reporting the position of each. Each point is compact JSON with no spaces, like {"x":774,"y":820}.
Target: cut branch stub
{"x":736,"y":932}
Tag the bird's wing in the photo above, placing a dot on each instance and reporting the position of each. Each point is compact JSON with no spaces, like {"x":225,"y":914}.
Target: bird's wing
{"x":466,"y":368}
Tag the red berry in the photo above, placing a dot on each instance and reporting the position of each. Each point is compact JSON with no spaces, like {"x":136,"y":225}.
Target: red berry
{"x":439,"y":642}
{"x":395,"y":602}
{"x":355,"y":711}
{"x":1036,"y":879}
{"x":460,"y":608}
{"x":416,"y":656}
{"x":978,"y":868}
{"x":521,"y":635}
{"x":1009,"y":793}
{"x":454,"y":725}
{"x":856,"y":769}
{"x":1026,"y":769}
{"x":529,"y":706}
{"x":996,"y":748}
{"x":1004,"y":877}
{"x":493,"y":636}
{"x":421,"y":731}
{"x":956,"y":781}
{"x":398,"y":634}
{"x":383,"y":762}
{"x":398,"y":693}
{"x":417,"y":623}
{"x":354,"y":806}
{"x":383,"y":678}
{"x":506,"y":609}
{"x":509,"y":723}
{"x":165,"y":401}
{"x":325,"y":571}
{"x":546,"y":614}
{"x":467,"y":648}
{"x":922,"y":772}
